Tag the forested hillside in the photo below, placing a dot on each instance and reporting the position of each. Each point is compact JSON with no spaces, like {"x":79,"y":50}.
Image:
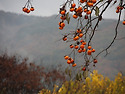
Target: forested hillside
{"x":39,"y":39}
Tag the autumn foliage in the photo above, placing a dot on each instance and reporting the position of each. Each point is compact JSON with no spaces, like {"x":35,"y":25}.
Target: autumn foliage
{"x":94,"y":84}
{"x":18,"y":76}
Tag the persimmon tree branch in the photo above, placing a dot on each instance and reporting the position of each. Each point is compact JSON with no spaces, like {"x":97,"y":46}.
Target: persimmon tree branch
{"x":116,"y":32}
{"x":108,"y":3}
{"x":83,"y":34}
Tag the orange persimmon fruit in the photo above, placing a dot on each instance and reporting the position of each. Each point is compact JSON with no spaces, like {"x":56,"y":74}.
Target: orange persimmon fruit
{"x":75,"y":16}
{"x":60,"y":28}
{"x":89,"y":4}
{"x":25,"y":9}
{"x":88,"y":12}
{"x":117,"y":11}
{"x":63,"y":17}
{"x":89,"y":47}
{"x":84,"y":68}
{"x":82,"y":1}
{"x":73,"y":5}
{"x":79,"y":8}
{"x":74,"y":64}
{"x":80,"y":35}
{"x":85,"y":10}
{"x":32,"y":8}
{"x":72,"y":9}
{"x":123,"y":22}
{"x":76,"y":38}
{"x":79,"y":31}
{"x":89,"y":52}
{"x":84,"y":50}
{"x":63,"y":12}
{"x":72,"y":61}
{"x":93,"y":50}
{"x":84,"y":43}
{"x":68,"y":61}
{"x":76,"y":47}
{"x":86,"y":16}
{"x":62,"y":24}
{"x":95,"y":61}
{"x":28,"y":11}
{"x":79,"y":50}
{"x":82,"y":46}
{"x":64,"y":38}
{"x":93,"y":1}
{"x":71,"y":46}
{"x":66,"y":57}
{"x":81,"y":40}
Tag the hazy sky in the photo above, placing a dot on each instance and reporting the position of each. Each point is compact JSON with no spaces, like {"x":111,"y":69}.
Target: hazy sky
{"x":44,"y":7}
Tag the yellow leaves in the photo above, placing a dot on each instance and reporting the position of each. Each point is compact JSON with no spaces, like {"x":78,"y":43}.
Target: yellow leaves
{"x":44,"y":91}
{"x":94,"y":84}
{"x":88,"y":79}
{"x":54,"y":90}
{"x":119,"y":74}
{"x":61,"y":89}
{"x":95,"y":72}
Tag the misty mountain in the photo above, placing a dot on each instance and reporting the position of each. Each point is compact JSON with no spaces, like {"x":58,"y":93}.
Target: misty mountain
{"x":39,"y":39}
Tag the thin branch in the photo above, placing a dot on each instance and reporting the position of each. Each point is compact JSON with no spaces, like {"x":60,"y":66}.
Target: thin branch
{"x":98,"y":22}
{"x":116,"y":32}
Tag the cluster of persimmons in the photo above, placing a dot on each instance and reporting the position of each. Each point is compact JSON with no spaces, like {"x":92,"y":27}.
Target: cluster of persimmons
{"x":80,"y":45}
{"x":28,"y":7}
{"x":82,"y":35}
{"x":77,"y":11}
{"x":118,"y":9}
